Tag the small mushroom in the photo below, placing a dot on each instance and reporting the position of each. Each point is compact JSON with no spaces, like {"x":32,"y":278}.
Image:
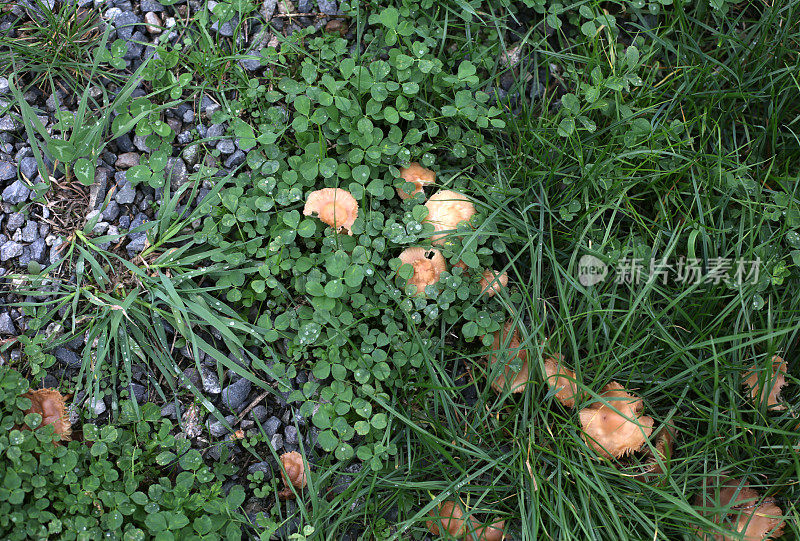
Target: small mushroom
{"x":449,"y":515}
{"x":428,"y":266}
{"x":447,"y":209}
{"x":334,"y":206}
{"x":50,"y":404}
{"x":418,"y":176}
{"x":731,"y":502}
{"x":295,"y":475}
{"x":561,"y":378}
{"x":492,"y":282}
{"x":774,"y":380}
{"x":508,"y":348}
{"x":490,"y":532}
{"x":616,"y":428}
{"x":664,"y":439}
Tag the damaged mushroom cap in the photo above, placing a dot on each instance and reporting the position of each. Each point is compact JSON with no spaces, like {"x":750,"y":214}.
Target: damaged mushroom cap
{"x":447,"y":209}
{"x":561,"y":378}
{"x":729,"y":501}
{"x":50,"y":404}
{"x":428,"y":266}
{"x":508,"y":348}
{"x":616,"y":428}
{"x":492,"y":282}
{"x":295,"y":475}
{"x":664,"y":440}
{"x":774,"y":380}
{"x":334,"y":206}
{"x":449,"y":515}
{"x":418,"y":176}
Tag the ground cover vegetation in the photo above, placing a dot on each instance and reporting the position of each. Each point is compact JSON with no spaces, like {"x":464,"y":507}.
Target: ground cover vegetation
{"x":309,"y":270}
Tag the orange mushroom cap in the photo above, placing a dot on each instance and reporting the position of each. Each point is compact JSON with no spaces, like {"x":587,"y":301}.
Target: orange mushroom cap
{"x":492,"y":282}
{"x":418,"y":176}
{"x":490,"y":532}
{"x":561,"y":378}
{"x":334,"y":206}
{"x":295,"y":473}
{"x":449,"y":515}
{"x":616,"y":429}
{"x":50,"y":404}
{"x":428,"y":266}
{"x":735,"y":500}
{"x":504,"y":348}
{"x":447,"y":209}
{"x":664,"y":439}
{"x":774,"y":381}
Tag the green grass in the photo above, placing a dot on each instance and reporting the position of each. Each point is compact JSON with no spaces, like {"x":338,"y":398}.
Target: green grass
{"x":697,"y":158}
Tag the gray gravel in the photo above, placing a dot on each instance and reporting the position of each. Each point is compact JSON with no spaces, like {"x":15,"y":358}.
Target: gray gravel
{"x":10,"y":250}
{"x":7,"y":170}
{"x":16,"y":193}
{"x":7,"y":325}
{"x":67,"y":357}
{"x":210,"y":380}
{"x":235,"y":394}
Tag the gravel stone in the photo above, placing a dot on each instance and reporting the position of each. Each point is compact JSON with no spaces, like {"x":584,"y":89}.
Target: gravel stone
{"x":127,"y":160}
{"x":55,"y":253}
{"x":185,"y":137}
{"x":126,"y":23}
{"x":137,"y":392}
{"x":153,"y":23}
{"x":30,"y":232}
{"x":137,"y":245}
{"x":67,"y":357}
{"x":96,"y":405}
{"x":235,"y":159}
{"x":169,"y":410}
{"x":290,"y":435}
{"x":125,"y":195}
{"x":16,"y":193}
{"x":268,"y":8}
{"x":15,"y":221}
{"x":28,"y":167}
{"x":191,"y":155}
{"x":208,"y":376}
{"x":209,"y":106}
{"x":7,"y":170}
{"x":217,"y":429}
{"x":304,"y":6}
{"x":235,"y":394}
{"x":271,"y":426}
{"x":8,"y":124}
{"x":39,"y":250}
{"x":177,"y":172}
{"x":10,"y":250}
{"x":276,"y":442}
{"x":124,"y":143}
{"x":215,"y":131}
{"x":139,"y":142}
{"x":226,"y":146}
{"x":111,"y":212}
{"x":191,"y":375}
{"x":6,"y":325}
{"x":259,"y":413}
{"x":151,"y":5}
{"x":3,"y":86}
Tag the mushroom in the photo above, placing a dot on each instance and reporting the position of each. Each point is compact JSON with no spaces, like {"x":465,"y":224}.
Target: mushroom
{"x":664,"y":438}
{"x":616,"y":428}
{"x":447,"y":209}
{"x":449,"y":515}
{"x":334,"y":206}
{"x":492,"y":282}
{"x":490,"y":532}
{"x":509,"y":348}
{"x":561,"y":378}
{"x":418,"y":176}
{"x":50,"y":404}
{"x":295,"y":475}
{"x":775,"y":379}
{"x":732,"y":502}
{"x":428,"y":266}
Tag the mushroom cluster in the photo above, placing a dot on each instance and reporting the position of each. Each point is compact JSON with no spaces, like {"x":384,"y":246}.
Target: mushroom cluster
{"x":51,"y":405}
{"x":771,"y":380}
{"x":294,"y":474}
{"x":334,"y":206}
{"x":734,"y":506}
{"x":615,"y":426}
{"x":448,"y":520}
